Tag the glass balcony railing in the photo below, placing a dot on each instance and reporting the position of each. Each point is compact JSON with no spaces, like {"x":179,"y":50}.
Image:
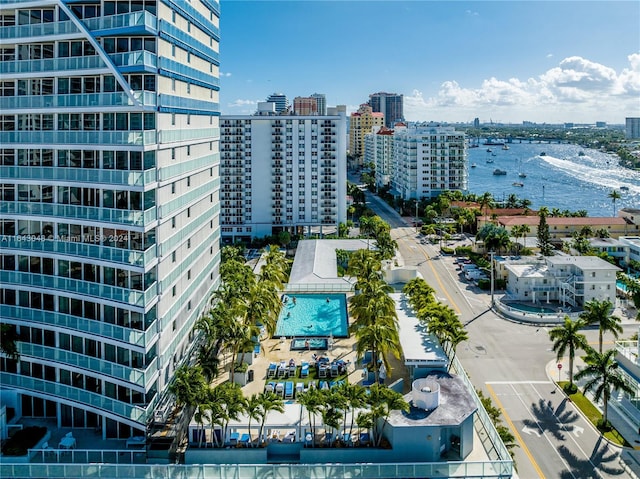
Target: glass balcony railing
{"x":182,"y":167}
{"x":95,"y":365}
{"x":97,"y":401}
{"x":139,"y":58}
{"x":80,"y":175}
{"x":89,"y":213}
{"x":143,"y":20}
{"x":198,"y":193}
{"x":69,"y":101}
{"x":130,"y":336}
{"x":171,"y":136}
{"x":23,"y":32}
{"x":183,"y":103}
{"x":113,"y":293}
{"x":125,"y":138}
{"x":84,"y":250}
{"x":50,"y":65}
{"x":169,"y":243}
{"x":187,"y":72}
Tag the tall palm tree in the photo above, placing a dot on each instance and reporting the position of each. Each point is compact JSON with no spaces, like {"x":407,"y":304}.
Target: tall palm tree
{"x":312,"y":400}
{"x":384,"y":400}
{"x":485,"y":202}
{"x":599,"y":312}
{"x":568,"y":338}
{"x":382,"y":339}
{"x":604,"y":378}
{"x":456,"y":336}
{"x":614,"y":195}
{"x":187,"y":385}
{"x":252,"y":408}
{"x":268,"y":402}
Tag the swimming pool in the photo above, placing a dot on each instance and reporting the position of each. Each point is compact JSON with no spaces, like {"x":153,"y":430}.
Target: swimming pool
{"x":311,"y":315}
{"x":530,"y":308}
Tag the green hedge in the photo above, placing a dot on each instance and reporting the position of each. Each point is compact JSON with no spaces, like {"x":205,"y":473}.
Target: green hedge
{"x":23,"y":440}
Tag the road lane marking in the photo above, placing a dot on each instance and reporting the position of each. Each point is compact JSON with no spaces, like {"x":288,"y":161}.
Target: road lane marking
{"x":576,"y":430}
{"x":533,"y":418}
{"x":518,"y":382}
{"x":515,"y":432}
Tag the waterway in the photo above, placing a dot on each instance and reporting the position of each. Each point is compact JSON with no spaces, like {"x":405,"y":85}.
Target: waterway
{"x":567,"y":177}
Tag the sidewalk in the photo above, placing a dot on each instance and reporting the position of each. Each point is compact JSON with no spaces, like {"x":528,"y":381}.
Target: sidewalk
{"x":629,"y":456}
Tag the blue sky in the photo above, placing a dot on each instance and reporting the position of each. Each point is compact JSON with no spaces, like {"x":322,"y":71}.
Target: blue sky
{"x":505,"y":61}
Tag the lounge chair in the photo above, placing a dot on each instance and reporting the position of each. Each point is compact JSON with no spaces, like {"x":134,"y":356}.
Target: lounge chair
{"x":233,"y":438}
{"x":324,"y":385}
{"x":280,"y":389}
{"x":270,"y":387}
{"x":328,"y":438}
{"x":271,"y":370}
{"x":363,"y":440}
{"x":244,"y":439}
{"x":288,"y":390}
{"x":322,"y":372}
{"x":292,"y":370}
{"x":299,"y":388}
{"x":304,"y":369}
{"x":334,"y":371}
{"x":312,"y":385}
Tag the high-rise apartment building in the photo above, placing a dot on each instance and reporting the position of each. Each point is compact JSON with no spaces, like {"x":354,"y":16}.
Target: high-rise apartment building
{"x":109,"y":165}
{"x":305,"y":106}
{"x":390,"y":105}
{"x":282,"y":173}
{"x":321,"y":101}
{"x":282,"y":104}
{"x":632,"y":128}
{"x":379,"y":151}
{"x":429,"y":160}
{"x":361,"y":123}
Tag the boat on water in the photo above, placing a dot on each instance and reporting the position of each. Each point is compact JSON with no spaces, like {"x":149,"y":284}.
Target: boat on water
{"x":581,"y":153}
{"x":474,"y":165}
{"x":517,"y":183}
{"x":505,"y":147}
{"x":522,"y":174}
{"x":624,"y":188}
{"x":489,"y":160}
{"x":543,"y":153}
{"x":499,"y":172}
{"x":489,"y":150}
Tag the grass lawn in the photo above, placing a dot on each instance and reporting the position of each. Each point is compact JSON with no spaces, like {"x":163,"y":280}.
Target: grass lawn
{"x":594,"y":415}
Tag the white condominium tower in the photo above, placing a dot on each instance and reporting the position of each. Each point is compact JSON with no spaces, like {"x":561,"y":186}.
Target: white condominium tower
{"x":109,"y":166}
{"x":378,"y":149}
{"x":429,"y":160}
{"x":282,"y":173}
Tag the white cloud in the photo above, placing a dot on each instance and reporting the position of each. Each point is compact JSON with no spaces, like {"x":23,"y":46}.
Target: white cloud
{"x":225,"y":74}
{"x":472,"y":13}
{"x":241,"y":107}
{"x":578,"y":88}
{"x":549,"y":55}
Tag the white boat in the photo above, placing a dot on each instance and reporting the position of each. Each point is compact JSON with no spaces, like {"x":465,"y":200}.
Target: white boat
{"x":499,"y":172}
{"x":517,"y":183}
{"x":474,"y":165}
{"x":505,"y":147}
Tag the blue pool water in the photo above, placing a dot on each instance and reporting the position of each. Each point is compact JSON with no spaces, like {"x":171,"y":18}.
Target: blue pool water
{"x":532,"y":309}
{"x":311,"y":315}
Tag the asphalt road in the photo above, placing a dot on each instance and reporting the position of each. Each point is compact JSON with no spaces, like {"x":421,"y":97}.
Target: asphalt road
{"x":508,"y":362}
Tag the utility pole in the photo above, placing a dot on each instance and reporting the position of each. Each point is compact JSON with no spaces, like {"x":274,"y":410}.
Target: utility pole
{"x":491,"y":253}
{"x":416,"y":216}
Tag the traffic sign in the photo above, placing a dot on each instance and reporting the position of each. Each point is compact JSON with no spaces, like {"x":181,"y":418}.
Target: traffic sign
{"x":559,"y":365}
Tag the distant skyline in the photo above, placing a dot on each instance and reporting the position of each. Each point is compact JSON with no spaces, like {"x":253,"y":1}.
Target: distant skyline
{"x":500,"y":61}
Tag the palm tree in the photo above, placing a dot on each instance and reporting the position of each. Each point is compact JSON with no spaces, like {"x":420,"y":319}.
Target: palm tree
{"x":598,"y":312}
{"x":568,"y":337}
{"x":455,"y":337}
{"x":8,"y":341}
{"x":268,"y":402}
{"x":384,"y":400}
{"x":187,"y":385}
{"x":252,"y":407}
{"x":311,"y":400}
{"x":485,"y":202}
{"x":614,"y":195}
{"x":381,"y":338}
{"x":604,"y":378}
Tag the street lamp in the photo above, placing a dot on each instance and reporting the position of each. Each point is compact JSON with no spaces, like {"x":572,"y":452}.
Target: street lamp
{"x":416,"y":216}
{"x":491,"y":253}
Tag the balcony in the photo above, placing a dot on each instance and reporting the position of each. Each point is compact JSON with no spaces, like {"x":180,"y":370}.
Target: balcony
{"x":56,"y":390}
{"x":80,"y":175}
{"x":87,"y":213}
{"x":84,"y":288}
{"x":141,"y":22}
{"x":49,"y":65}
{"x":99,"y":367}
{"x":83,"y":250}
{"x":104,"y":100}
{"x":124,"y":138}
{"x":101,"y":329}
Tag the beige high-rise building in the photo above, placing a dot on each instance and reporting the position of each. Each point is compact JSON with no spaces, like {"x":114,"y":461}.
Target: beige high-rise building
{"x":361,"y":123}
{"x":304,"y":105}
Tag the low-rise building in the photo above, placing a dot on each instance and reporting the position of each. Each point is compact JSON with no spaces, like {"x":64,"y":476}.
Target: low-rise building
{"x":562,"y":227}
{"x":563,"y":279}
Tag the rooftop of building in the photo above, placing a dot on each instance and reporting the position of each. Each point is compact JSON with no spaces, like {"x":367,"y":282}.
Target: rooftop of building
{"x":534,"y":220}
{"x":455,"y":405}
{"x":584,"y":262}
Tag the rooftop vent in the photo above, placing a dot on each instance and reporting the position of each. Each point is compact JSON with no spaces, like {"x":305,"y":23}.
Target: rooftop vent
{"x":426,"y":394}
